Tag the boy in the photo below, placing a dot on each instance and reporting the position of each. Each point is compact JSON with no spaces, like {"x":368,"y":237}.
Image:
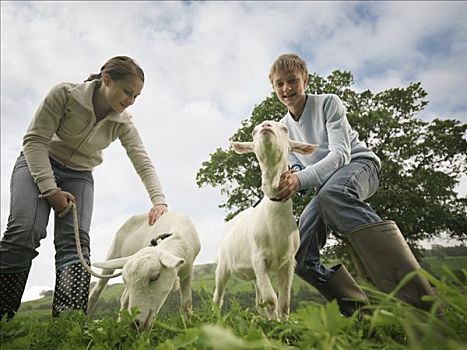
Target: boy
{"x":344,"y":172}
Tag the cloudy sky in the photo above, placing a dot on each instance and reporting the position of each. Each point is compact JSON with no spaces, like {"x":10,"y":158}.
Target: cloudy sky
{"x":206,"y":66}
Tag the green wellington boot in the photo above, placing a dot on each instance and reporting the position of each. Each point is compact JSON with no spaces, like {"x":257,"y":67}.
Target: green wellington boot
{"x":387,"y":258}
{"x":342,"y":287}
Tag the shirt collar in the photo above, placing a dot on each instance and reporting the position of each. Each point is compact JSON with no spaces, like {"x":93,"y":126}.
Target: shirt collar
{"x":305,"y":111}
{"x":83,"y":93}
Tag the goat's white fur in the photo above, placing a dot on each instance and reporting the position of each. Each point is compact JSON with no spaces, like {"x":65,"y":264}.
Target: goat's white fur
{"x":151,"y":272}
{"x":264,"y":239}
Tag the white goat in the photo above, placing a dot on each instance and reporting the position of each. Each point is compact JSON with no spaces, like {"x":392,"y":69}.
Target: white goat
{"x":155,"y":260}
{"x":264,"y":239}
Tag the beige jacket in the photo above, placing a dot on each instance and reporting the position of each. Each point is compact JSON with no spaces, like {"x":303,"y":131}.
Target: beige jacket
{"x":65,"y":129}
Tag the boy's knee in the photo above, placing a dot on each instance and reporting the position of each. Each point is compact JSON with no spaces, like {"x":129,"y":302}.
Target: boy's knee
{"x":328,"y":196}
{"x":332,"y":201}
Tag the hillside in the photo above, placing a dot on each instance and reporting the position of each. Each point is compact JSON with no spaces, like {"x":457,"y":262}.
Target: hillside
{"x":241,"y":291}
{"x":203,"y":283}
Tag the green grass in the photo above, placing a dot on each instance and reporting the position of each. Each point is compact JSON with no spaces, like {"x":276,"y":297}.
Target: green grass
{"x":436,"y":265}
{"x":313,"y":324}
{"x":393,"y":325}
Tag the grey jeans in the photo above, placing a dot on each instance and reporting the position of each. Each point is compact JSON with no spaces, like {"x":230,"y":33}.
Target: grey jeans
{"x":337,"y":206}
{"x":29,"y":217}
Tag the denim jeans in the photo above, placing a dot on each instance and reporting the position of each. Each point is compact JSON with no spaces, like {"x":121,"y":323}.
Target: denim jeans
{"x":29,"y":216}
{"x":337,"y":206}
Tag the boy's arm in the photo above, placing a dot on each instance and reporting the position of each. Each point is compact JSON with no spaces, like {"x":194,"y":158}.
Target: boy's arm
{"x":338,"y":130}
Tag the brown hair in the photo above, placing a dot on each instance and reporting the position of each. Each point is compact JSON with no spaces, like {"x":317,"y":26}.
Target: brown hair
{"x":118,"y":68}
{"x":287,"y":63}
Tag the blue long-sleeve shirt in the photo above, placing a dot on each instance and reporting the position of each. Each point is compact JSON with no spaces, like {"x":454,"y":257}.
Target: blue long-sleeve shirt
{"x":324,"y":122}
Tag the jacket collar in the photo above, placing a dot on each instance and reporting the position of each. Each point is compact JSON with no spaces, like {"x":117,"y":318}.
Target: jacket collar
{"x":82,"y":93}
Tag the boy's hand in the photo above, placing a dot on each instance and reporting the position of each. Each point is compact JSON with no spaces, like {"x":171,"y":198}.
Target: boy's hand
{"x":156,"y":212}
{"x":289,"y":185}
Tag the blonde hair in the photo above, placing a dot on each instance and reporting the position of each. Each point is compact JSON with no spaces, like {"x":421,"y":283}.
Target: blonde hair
{"x":287,"y":63}
{"x":119,"y":67}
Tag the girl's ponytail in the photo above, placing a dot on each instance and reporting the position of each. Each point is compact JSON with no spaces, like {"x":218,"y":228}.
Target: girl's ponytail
{"x":119,"y":67}
{"x":94,"y":77}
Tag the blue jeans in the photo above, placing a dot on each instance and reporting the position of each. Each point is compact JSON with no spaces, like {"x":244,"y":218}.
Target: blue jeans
{"x":29,"y":216}
{"x":337,"y":206}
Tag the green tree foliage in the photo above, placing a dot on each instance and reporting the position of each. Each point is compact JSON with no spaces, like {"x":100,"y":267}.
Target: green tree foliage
{"x":46,"y":293}
{"x":422,"y":162}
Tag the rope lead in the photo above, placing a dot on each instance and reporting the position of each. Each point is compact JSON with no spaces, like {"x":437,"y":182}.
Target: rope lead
{"x":62,"y":214}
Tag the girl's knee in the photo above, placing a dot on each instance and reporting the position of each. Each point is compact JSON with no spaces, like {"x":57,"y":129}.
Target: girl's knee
{"x":25,"y":235}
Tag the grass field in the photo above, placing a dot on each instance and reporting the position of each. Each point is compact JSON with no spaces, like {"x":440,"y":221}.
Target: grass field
{"x":437,"y":266}
{"x":313,"y":323}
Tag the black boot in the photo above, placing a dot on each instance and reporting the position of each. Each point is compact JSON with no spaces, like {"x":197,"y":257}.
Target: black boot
{"x":11,"y":290}
{"x":342,"y":287}
{"x":71,"y":289}
{"x":387,"y":258}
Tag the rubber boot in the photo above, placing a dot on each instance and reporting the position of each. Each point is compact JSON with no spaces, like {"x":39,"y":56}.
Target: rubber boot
{"x":11,"y":291}
{"x":342,"y":287}
{"x":71,"y":289}
{"x":387,"y":258}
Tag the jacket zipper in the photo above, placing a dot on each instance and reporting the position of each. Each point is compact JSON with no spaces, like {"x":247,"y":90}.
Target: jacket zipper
{"x":91,"y":132}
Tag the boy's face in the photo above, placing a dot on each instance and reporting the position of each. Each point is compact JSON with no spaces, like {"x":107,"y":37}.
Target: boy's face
{"x":290,"y":88}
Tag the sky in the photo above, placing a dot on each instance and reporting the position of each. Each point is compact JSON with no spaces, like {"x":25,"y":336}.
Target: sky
{"x":206,"y":66}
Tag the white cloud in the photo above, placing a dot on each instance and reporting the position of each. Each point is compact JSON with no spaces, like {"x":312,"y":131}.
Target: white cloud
{"x":206,"y":66}
{"x":34,"y":292}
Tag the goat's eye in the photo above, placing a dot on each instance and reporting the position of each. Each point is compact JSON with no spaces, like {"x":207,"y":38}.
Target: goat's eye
{"x":154,"y":277}
{"x":254,"y":132}
{"x":284,"y":128}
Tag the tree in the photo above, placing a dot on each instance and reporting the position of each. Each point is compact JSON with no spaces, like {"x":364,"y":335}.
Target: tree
{"x":422,"y":162}
{"x":46,"y":293}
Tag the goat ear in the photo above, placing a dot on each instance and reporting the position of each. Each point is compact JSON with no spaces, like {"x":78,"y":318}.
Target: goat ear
{"x":243,"y":147}
{"x":112,"y":264}
{"x":302,"y":148}
{"x":171,"y":261}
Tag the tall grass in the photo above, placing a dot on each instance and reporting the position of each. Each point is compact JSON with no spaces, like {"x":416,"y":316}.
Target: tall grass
{"x":390,"y":324}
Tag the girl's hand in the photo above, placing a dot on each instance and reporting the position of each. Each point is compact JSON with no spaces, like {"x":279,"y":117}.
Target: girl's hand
{"x":59,"y":201}
{"x":156,"y":212}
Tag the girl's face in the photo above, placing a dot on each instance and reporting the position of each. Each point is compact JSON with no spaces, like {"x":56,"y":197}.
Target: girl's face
{"x":121,"y":94}
{"x":290,"y":88}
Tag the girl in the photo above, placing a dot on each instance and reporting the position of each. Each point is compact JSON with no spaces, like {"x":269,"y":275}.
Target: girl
{"x":61,"y":147}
